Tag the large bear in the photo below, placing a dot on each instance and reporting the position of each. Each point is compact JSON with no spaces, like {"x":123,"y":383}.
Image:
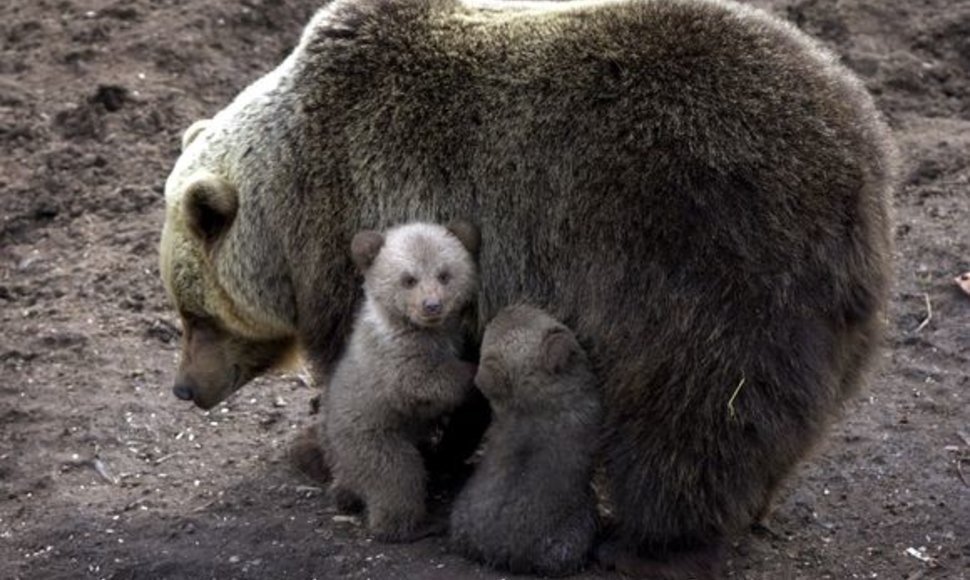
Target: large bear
{"x":696,"y":189}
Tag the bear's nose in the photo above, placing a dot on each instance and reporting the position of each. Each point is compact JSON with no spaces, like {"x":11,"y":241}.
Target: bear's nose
{"x":183,"y":392}
{"x":432,"y":307}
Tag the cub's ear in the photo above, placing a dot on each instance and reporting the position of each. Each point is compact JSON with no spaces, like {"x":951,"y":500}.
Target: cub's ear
{"x":365,"y":247}
{"x":558,"y":347}
{"x":194,"y":130}
{"x":468,"y":234}
{"x":210,"y":205}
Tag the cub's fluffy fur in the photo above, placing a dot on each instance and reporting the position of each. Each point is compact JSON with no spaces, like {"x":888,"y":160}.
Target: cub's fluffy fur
{"x":401,"y":372}
{"x":529,"y":506}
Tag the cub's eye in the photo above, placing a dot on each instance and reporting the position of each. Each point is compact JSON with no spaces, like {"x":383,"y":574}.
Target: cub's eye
{"x":444,"y":277}
{"x":408,"y":281}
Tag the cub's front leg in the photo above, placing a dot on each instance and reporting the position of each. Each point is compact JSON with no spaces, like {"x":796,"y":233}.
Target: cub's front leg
{"x":449,"y":385}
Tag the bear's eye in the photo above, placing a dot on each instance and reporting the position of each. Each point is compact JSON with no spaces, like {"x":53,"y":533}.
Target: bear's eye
{"x":444,"y":277}
{"x":408,"y":281}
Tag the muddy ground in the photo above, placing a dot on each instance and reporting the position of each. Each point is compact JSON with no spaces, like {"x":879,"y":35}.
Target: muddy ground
{"x":104,"y":474}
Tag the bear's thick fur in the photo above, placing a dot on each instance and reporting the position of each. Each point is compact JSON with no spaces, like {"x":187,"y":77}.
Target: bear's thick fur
{"x":696,"y":189}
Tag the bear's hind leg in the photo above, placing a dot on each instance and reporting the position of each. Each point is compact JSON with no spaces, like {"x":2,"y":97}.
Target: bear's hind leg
{"x":710,"y":443}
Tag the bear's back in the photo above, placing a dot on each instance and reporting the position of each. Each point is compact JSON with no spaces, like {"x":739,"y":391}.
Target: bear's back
{"x":704,"y":138}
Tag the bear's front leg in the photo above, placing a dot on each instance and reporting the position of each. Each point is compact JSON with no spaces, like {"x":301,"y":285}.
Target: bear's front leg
{"x":440,"y":390}
{"x":458,"y":380}
{"x":393,"y":485}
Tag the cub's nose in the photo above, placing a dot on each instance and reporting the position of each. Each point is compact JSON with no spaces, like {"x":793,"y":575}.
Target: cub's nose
{"x":431,"y":307}
{"x":183,"y":392}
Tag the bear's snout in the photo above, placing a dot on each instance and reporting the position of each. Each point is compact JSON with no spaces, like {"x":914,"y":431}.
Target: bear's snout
{"x":183,"y":392}
{"x":431,"y":307}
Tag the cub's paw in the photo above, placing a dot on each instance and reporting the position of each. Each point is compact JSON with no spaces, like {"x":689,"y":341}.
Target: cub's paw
{"x":346,"y":501}
{"x":308,"y":457}
{"x":404,"y":528}
{"x":462,"y":370}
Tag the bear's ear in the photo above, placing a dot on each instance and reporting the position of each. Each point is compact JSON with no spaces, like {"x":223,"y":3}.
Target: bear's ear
{"x":468,"y":234}
{"x":365,"y":247}
{"x":210,"y":208}
{"x":343,"y":19}
{"x":194,"y":130}
{"x":558,"y":348}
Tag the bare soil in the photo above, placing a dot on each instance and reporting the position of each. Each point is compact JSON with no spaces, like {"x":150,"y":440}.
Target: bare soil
{"x":104,"y":474}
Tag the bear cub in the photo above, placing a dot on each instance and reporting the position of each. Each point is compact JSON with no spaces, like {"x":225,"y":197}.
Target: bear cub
{"x":401,"y":373}
{"x":529,"y":507}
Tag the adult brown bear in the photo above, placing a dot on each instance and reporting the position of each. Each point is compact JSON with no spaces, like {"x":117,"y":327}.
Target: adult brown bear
{"x":698,"y":190}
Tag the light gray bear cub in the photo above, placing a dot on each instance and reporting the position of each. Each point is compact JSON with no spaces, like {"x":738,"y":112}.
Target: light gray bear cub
{"x":529,"y":506}
{"x":401,"y":372}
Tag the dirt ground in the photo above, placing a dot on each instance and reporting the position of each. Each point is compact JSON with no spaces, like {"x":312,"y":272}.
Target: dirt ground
{"x":104,"y":474}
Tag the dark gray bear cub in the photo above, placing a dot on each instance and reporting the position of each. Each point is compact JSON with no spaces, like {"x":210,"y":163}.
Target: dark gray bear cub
{"x":401,"y":372}
{"x":529,"y":506}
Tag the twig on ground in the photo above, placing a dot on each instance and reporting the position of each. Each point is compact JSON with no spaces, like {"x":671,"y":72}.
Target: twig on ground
{"x":960,"y":472}
{"x":921,"y":555}
{"x":167,"y":457}
{"x":206,"y":505}
{"x":307,"y":489}
{"x":929,"y":314}
{"x":963,"y":435}
{"x":102,"y":470}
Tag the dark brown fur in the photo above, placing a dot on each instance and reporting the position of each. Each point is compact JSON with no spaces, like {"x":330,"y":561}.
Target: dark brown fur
{"x":694,"y":188}
{"x":213,"y":356}
{"x":529,"y":506}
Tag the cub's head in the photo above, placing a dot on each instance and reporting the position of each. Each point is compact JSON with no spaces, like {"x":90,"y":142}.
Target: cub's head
{"x":525,"y":355}
{"x":419,"y":273}
{"x":228,"y":337}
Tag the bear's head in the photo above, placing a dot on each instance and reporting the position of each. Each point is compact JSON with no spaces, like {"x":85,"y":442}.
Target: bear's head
{"x":421,"y":274}
{"x":525,"y":355}
{"x":229,"y":337}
